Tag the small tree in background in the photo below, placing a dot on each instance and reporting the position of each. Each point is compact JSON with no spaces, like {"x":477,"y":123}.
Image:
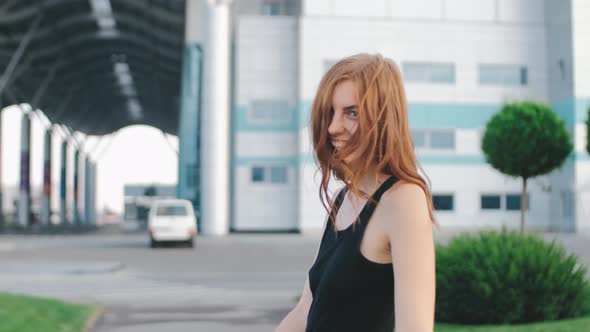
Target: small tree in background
{"x":526,"y":139}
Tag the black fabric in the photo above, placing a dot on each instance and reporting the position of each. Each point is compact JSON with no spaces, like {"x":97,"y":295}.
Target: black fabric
{"x":350,"y":292}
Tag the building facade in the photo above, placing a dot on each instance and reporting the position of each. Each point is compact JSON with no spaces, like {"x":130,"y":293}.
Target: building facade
{"x":460,"y":60}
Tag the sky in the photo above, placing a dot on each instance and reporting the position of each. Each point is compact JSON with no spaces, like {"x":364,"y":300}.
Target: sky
{"x":133,"y":155}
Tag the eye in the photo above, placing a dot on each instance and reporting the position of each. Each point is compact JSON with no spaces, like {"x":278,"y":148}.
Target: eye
{"x":353,"y":114}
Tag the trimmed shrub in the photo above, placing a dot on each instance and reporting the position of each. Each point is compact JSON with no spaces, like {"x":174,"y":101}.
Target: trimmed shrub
{"x":525,"y":140}
{"x":505,"y":277}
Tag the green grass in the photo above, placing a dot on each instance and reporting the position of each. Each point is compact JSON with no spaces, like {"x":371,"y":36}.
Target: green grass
{"x":29,"y":314}
{"x":580,"y":324}
{"x":566,"y":325}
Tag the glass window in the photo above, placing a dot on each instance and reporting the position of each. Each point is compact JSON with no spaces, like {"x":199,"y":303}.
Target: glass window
{"x":443,"y":202}
{"x":442,"y":139}
{"x":429,"y":72}
{"x":442,"y":73}
{"x":513,"y":202}
{"x":567,"y":204}
{"x":419,"y":138}
{"x":523,"y":76}
{"x":278,"y":174}
{"x":502,"y":74}
{"x":490,"y":202}
{"x":270,"y":8}
{"x":257,"y":174}
{"x":171,"y":210}
{"x":269,"y":112}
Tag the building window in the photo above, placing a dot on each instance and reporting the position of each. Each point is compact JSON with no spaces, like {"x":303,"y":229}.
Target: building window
{"x":257,"y":174}
{"x":419,"y":138}
{"x":567,"y":204}
{"x":442,"y":139}
{"x":434,"y":139}
{"x":269,"y":112}
{"x":270,"y":8}
{"x":491,"y":202}
{"x":443,"y":202}
{"x":278,"y":174}
{"x":429,"y":72}
{"x":501,"y":74}
{"x":269,"y":174}
{"x":513,"y":202}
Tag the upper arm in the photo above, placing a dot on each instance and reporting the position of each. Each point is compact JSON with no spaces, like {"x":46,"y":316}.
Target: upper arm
{"x":413,"y":258}
{"x":306,"y":298}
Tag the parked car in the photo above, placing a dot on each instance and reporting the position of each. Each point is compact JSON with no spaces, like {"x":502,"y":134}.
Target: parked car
{"x":172,"y":220}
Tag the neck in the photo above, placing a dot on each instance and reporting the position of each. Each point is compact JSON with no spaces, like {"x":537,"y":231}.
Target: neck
{"x":371,"y":181}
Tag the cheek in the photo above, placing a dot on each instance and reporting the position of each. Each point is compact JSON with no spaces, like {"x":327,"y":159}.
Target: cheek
{"x":351,"y":126}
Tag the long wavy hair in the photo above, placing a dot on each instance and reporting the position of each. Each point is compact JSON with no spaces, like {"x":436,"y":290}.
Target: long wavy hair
{"x":382,"y":142}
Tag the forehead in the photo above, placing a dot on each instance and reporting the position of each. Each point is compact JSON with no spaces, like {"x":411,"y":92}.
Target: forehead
{"x":344,"y":94}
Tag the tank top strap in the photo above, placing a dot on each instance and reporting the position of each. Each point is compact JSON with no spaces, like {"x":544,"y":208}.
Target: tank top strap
{"x":370,"y":206}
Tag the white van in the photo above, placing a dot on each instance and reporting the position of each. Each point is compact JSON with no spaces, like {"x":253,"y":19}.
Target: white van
{"x":172,"y":220}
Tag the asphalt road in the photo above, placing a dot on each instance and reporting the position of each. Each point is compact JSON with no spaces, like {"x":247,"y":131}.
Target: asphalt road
{"x":241,"y":282}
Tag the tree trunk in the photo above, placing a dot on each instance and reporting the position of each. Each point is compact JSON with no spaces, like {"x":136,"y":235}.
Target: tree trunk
{"x":523,"y":205}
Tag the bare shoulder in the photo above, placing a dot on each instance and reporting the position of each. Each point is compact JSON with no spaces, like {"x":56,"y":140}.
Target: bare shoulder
{"x":404,"y":203}
{"x":405,"y":194}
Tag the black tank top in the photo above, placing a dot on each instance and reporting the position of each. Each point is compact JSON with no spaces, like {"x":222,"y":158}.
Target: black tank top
{"x":350,"y":292}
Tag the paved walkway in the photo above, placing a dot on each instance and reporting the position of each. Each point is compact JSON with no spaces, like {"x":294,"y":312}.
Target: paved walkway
{"x":235,"y":283}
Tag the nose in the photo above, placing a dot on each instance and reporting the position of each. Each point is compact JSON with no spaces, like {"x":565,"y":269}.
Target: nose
{"x":335,"y":126}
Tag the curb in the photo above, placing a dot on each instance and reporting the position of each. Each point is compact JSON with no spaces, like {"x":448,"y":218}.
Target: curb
{"x":91,"y":322}
{"x":111,"y":269}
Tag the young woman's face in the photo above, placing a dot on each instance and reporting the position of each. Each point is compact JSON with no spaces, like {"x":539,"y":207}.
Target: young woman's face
{"x":344,"y":115}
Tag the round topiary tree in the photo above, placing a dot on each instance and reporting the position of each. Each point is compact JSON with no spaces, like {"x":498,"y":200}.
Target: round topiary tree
{"x":506,"y":277}
{"x":526,"y":139}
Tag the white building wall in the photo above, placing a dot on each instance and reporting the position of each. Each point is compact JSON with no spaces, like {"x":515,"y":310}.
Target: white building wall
{"x":560,"y":90}
{"x":559,"y":51}
{"x":465,"y":45}
{"x":581,"y":33}
{"x":264,"y":206}
{"x":468,"y":141}
{"x":481,"y":11}
{"x":279,"y":58}
{"x":469,"y":182}
{"x":581,"y":58}
{"x":265,"y":71}
{"x":418,"y":9}
{"x":520,"y":11}
{"x":583,"y":196}
{"x":509,"y":11}
{"x":458,"y":31}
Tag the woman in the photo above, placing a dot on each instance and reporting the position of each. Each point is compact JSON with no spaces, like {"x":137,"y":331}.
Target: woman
{"x":375,"y":267}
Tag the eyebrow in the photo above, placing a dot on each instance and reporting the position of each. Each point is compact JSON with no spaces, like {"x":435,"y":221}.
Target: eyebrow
{"x":348,"y":108}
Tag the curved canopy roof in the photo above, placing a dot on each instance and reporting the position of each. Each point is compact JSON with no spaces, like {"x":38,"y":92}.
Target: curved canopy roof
{"x":94,"y":65}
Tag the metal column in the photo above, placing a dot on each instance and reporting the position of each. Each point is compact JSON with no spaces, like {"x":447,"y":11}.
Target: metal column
{"x":24,"y":201}
{"x":46,"y":198}
{"x":75,"y":212}
{"x":63,"y":219}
